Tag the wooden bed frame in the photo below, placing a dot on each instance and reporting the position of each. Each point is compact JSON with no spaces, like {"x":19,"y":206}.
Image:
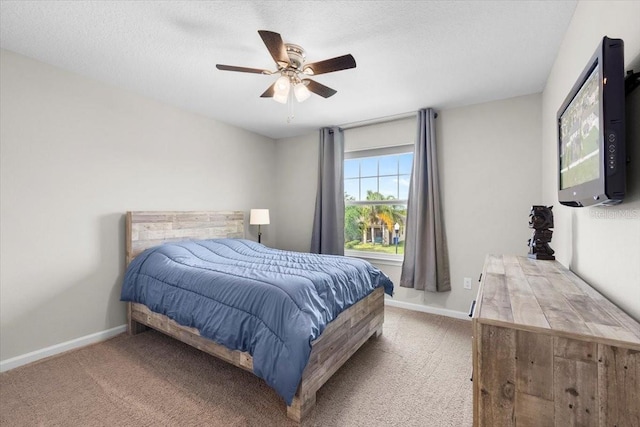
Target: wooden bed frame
{"x":340,"y":339}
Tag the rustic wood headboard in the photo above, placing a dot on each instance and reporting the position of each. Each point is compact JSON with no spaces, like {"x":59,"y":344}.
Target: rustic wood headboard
{"x":147,"y":229}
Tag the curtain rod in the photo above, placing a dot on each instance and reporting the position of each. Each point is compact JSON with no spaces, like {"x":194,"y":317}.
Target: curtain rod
{"x":379,"y":120}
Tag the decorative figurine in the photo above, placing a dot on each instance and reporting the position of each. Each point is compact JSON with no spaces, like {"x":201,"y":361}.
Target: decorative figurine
{"x":541,"y":220}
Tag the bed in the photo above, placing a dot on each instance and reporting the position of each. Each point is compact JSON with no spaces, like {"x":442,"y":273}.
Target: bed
{"x":149,"y":234}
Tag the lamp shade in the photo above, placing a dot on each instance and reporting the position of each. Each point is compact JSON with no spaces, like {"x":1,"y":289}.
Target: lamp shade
{"x":259,"y":217}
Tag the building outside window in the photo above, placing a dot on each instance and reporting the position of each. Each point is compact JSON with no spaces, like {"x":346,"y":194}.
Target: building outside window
{"x":376,"y":187}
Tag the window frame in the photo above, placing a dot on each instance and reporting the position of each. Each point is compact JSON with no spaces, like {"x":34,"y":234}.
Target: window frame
{"x":380,"y":258}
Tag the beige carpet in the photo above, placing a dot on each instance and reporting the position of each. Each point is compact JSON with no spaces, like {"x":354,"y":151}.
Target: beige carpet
{"x":416,"y":374}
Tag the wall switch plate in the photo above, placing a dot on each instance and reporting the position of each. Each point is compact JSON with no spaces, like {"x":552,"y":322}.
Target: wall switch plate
{"x":467,"y":282}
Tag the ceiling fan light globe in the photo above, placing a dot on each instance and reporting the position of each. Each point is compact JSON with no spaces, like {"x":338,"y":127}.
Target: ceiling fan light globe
{"x":282,"y":85}
{"x":281,"y":97}
{"x":301,"y":92}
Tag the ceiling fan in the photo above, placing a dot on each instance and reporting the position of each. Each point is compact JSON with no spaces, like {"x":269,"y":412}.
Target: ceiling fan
{"x":293,"y":70}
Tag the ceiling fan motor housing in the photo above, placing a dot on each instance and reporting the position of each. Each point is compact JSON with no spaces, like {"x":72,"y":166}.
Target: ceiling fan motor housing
{"x":296,"y":55}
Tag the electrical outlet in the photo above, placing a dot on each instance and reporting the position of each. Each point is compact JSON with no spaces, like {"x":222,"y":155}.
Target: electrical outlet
{"x":467,"y":282}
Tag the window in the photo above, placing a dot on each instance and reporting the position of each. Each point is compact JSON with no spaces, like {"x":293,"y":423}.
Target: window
{"x":376,"y":187}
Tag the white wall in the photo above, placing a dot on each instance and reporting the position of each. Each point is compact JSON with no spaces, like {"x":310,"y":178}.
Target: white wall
{"x":490,"y":166}
{"x":392,"y":133}
{"x":75,"y":155}
{"x":601,"y":245}
{"x":296,"y":180}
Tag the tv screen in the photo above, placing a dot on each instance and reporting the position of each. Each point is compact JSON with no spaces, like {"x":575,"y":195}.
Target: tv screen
{"x":591,"y":132}
{"x":579,"y":133}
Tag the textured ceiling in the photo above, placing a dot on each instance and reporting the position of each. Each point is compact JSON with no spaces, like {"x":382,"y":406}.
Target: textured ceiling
{"x":409,"y":54}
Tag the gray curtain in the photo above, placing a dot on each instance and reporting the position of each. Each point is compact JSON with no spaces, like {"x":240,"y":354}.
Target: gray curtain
{"x":426,"y":261}
{"x":328,"y":221}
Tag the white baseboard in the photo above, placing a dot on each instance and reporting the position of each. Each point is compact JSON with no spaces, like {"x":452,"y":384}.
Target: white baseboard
{"x":14,"y":362}
{"x":427,"y":309}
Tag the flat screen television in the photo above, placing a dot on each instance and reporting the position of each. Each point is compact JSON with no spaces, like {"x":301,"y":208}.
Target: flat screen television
{"x":591,"y":132}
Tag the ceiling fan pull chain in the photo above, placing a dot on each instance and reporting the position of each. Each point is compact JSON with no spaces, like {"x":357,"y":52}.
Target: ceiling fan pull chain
{"x":290,"y":115}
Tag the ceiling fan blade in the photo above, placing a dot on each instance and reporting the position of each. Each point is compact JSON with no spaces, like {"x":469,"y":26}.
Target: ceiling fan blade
{"x":269,"y":92}
{"x":241,"y":69}
{"x":320,"y":89}
{"x":276,"y":47}
{"x":343,"y":62}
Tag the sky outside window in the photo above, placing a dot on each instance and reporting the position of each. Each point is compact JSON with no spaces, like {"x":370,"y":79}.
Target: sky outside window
{"x":387,"y":175}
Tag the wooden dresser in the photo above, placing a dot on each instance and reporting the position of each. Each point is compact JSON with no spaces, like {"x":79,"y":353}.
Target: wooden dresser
{"x":549,"y":350}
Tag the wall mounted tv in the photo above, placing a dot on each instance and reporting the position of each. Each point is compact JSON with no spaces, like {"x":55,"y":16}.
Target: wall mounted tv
{"x":591,"y":132}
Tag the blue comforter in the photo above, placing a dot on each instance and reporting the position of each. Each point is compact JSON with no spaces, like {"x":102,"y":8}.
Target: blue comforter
{"x":245,"y":296}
